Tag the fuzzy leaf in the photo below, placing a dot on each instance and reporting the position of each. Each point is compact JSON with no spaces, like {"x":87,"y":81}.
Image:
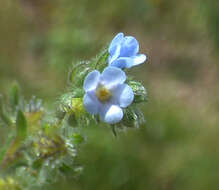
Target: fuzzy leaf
{"x":79,"y":72}
{"x":133,"y":117}
{"x":101,"y":60}
{"x":139,"y":91}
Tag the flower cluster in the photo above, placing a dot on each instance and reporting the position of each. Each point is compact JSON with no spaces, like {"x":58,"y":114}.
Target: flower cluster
{"x":106,"y":93}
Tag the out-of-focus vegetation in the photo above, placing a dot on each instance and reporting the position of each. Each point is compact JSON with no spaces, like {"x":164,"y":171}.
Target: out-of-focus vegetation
{"x":177,"y":147}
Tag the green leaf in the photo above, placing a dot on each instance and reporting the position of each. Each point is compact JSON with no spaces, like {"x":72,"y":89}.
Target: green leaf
{"x":81,"y":69}
{"x":79,"y":72}
{"x":21,"y":133}
{"x":133,"y":117}
{"x":14,"y":95}
{"x":21,"y":125}
{"x":5,"y":118}
{"x":139,"y":91}
{"x":5,"y":147}
{"x":72,"y":120}
{"x":77,"y":138}
{"x":8,"y":157}
{"x":65,"y":102}
{"x":101,"y":60}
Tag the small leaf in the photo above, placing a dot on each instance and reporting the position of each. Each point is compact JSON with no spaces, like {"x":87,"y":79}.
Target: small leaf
{"x":79,"y":72}
{"x":4,"y":147}
{"x":139,"y":91}
{"x":130,"y":118}
{"x":12,"y":154}
{"x":3,"y":115}
{"x":72,"y":121}
{"x":14,"y":95}
{"x":21,"y":125}
{"x":101,"y":60}
{"x":65,"y":102}
{"x":77,"y":138}
{"x":133,"y":117}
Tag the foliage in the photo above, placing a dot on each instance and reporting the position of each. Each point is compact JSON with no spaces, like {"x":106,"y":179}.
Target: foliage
{"x":43,"y":147}
{"x":40,"y":150}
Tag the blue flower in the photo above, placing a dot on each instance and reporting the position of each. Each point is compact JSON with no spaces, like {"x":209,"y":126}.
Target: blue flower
{"x":106,"y":94}
{"x":124,"y":52}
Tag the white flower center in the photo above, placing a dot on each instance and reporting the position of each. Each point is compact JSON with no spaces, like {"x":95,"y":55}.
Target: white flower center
{"x":102,"y":93}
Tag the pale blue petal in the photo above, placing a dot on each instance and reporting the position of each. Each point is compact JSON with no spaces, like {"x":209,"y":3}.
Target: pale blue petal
{"x":138,"y":59}
{"x":115,"y":54}
{"x":116,"y":41}
{"x":112,"y":76}
{"x":123,"y":95}
{"x":128,"y":62}
{"x":122,"y":62}
{"x":92,"y":80}
{"x":111,"y":114}
{"x":130,"y":47}
{"x":91,"y":103}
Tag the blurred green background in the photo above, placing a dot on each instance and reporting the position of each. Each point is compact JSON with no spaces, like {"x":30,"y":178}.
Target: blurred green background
{"x":177,"y":148}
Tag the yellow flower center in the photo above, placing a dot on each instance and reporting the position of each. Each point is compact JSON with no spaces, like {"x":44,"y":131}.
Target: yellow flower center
{"x":103,"y":94}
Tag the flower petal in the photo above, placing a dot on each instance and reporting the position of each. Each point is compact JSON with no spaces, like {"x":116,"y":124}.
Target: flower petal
{"x":116,"y":41}
{"x":138,"y":59}
{"x":111,"y":114}
{"x":130,"y":47}
{"x":116,"y":52}
{"x":92,"y":80}
{"x":128,"y":62}
{"x":90,"y":102}
{"x":112,"y":76}
{"x":123,"y":95}
{"x":122,"y":62}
